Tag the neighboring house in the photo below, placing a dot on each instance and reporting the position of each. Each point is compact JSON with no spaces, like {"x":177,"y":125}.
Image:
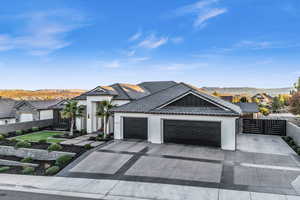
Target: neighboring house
{"x":227,"y":97}
{"x":164,"y":111}
{"x":34,"y":110}
{"x":262,"y":98}
{"x":249,"y":110}
{"x":7,"y":114}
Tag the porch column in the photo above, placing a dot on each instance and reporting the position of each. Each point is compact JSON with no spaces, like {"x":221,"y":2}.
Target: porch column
{"x":89,"y":119}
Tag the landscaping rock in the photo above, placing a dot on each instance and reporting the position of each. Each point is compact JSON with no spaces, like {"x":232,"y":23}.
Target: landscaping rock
{"x":36,"y":154}
{"x":16,"y":163}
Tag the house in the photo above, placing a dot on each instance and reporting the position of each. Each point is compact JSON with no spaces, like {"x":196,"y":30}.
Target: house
{"x":249,"y":110}
{"x":164,"y":111}
{"x":7,"y":114}
{"x":34,"y":110}
{"x":262,"y":98}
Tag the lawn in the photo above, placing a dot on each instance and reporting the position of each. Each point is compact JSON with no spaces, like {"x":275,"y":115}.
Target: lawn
{"x":35,"y":137}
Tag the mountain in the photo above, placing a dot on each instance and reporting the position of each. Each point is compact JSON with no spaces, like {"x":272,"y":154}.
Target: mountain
{"x":248,"y":90}
{"x":41,"y":94}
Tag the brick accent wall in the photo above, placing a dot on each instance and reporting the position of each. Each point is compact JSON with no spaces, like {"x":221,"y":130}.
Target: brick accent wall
{"x":25,"y":125}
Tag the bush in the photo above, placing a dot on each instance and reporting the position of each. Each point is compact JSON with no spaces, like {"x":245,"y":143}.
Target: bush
{"x":14,"y":140}
{"x":4,"y":169}
{"x":42,"y":141}
{"x":23,"y":144}
{"x":19,"y":132}
{"x":2,"y":137}
{"x":63,"y":160}
{"x":294,"y":147}
{"x":291,"y":142}
{"x":35,"y":129}
{"x":287,"y":138}
{"x":83,"y":132}
{"x":298,"y":151}
{"x":88,"y":146}
{"x":28,"y":170}
{"x":27,"y":160}
{"x":52,"y":170}
{"x":55,"y":147}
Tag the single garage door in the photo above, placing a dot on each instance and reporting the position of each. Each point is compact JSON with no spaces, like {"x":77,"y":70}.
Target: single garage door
{"x":135,"y":128}
{"x":26,"y":117}
{"x":192,"y":132}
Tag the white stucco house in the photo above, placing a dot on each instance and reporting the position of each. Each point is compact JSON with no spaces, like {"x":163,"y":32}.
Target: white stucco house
{"x":7,"y":114}
{"x":163,"y":112}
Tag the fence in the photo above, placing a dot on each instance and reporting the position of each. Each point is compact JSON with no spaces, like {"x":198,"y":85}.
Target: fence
{"x":264,"y":126}
{"x":8,"y":128}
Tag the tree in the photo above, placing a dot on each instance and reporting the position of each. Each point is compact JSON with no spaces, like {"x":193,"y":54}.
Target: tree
{"x":276,"y":104}
{"x":71,"y":111}
{"x":297,"y":85}
{"x":295,"y":104}
{"x":215,"y":93}
{"x":265,"y":111}
{"x":103,"y":112}
{"x":244,"y":100}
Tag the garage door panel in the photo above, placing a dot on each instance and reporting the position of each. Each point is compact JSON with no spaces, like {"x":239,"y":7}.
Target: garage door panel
{"x":135,"y":128}
{"x":192,"y":132}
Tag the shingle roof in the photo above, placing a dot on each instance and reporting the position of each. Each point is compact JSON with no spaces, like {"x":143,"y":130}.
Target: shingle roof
{"x":248,"y":107}
{"x":155,"y":86}
{"x":153,"y":102}
{"x":39,"y":104}
{"x":6,"y":108}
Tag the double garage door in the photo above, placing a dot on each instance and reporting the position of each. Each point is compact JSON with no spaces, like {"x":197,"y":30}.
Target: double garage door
{"x":176,"y":131}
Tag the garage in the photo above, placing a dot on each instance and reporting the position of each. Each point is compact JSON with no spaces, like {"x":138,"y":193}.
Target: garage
{"x":205,"y":133}
{"x":26,"y":117}
{"x":135,"y":128}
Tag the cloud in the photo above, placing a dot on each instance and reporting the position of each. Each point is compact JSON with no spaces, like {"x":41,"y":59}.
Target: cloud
{"x":111,"y":64}
{"x":177,"y":40}
{"x":202,"y":10}
{"x":253,"y":44}
{"x":152,"y":42}
{"x":136,"y":36}
{"x":138,"y":59}
{"x":43,"y":32}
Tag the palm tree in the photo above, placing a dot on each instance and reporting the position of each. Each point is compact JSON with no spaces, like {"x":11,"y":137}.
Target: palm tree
{"x":103,"y":112}
{"x":71,"y":111}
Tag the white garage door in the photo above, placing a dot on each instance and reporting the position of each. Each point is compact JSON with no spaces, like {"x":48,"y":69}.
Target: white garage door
{"x":26,"y":117}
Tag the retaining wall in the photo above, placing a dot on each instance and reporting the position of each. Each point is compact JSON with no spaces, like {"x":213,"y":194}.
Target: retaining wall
{"x":293,"y":131}
{"x":25,"y":125}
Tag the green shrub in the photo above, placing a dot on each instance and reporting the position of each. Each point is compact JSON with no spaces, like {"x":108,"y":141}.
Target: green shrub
{"x":28,"y":170}
{"x":19,"y":132}
{"x":14,"y":140}
{"x":4,"y":169}
{"x":88,"y":146}
{"x":35,"y":129}
{"x":55,"y":147}
{"x":23,"y":144}
{"x":63,"y":160}
{"x":291,"y":142}
{"x":27,"y":160}
{"x":287,"y":138}
{"x":294,"y":147}
{"x":42,"y":141}
{"x":83,"y":131}
{"x":52,"y":170}
{"x":2,"y":137}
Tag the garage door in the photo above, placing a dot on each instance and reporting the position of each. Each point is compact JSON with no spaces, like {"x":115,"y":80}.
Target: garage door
{"x":192,"y":132}
{"x":135,"y":128}
{"x":26,"y":117}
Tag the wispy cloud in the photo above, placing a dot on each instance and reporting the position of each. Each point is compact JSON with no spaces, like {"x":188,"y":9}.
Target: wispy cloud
{"x":153,"y":42}
{"x":254,"y":44}
{"x":177,"y":40}
{"x":202,"y":10}
{"x":135,"y":36}
{"x":111,"y":64}
{"x":44,"y":32}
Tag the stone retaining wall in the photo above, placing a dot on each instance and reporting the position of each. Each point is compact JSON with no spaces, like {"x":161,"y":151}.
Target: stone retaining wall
{"x":8,"y":128}
{"x":293,"y":131}
{"x":36,"y":154}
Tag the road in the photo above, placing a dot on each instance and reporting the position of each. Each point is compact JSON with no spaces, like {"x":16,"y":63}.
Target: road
{"x":14,"y":195}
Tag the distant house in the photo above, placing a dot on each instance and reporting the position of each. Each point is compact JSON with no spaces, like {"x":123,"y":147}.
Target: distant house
{"x":227,"y":97}
{"x":263,"y":98}
{"x":7,"y":113}
{"x":249,"y":110}
{"x":34,"y":110}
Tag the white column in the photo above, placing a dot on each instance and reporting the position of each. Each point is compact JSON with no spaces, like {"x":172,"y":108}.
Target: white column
{"x":228,"y":136}
{"x":89,"y":122}
{"x":118,"y":127}
{"x":155,"y":129}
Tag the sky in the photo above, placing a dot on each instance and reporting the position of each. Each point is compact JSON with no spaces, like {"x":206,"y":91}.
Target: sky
{"x":85,"y":43}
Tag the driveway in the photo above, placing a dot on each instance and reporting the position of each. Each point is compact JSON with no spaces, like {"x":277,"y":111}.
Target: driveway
{"x":249,"y":168}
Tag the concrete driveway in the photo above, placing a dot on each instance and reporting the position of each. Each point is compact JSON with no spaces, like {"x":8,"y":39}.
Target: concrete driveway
{"x":249,"y":168}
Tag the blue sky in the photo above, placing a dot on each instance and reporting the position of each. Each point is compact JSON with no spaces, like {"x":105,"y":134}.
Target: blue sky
{"x":85,"y":43}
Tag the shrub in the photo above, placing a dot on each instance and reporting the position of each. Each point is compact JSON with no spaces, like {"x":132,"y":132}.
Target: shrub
{"x":19,"y":132}
{"x":14,"y":140}
{"x":83,"y":131}
{"x":5,"y":134}
{"x":42,"y":141}
{"x":294,"y":147}
{"x":27,"y":160}
{"x":88,"y":146}
{"x":28,"y":170}
{"x":23,"y":144}
{"x":55,"y":147}
{"x":291,"y":142}
{"x":52,"y":170}
{"x":287,"y":138}
{"x":35,"y":129}
{"x":2,"y":137}
{"x":4,"y":169}
{"x":63,"y":160}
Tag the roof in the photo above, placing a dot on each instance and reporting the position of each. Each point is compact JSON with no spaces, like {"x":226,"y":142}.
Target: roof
{"x":7,"y":108}
{"x":154,"y":103}
{"x":248,"y":107}
{"x":39,"y":104}
{"x":155,"y":86}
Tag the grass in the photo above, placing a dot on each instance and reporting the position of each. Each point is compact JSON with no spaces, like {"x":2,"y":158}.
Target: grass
{"x":35,"y":137}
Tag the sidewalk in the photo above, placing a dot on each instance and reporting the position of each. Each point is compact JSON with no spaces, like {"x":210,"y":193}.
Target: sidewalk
{"x":123,"y":190}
